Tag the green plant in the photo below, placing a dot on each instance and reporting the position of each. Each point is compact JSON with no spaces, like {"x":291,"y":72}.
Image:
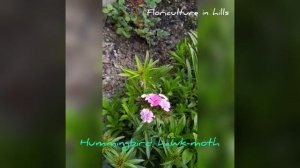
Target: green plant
{"x":172,"y":157}
{"x":108,"y":138}
{"x":146,"y":74}
{"x":115,"y":121}
{"x":152,"y":3}
{"x":177,"y":83}
{"x":185,"y":57}
{"x":123,"y":159}
{"x":118,"y":14}
{"x":186,"y":52}
{"x":136,"y":21}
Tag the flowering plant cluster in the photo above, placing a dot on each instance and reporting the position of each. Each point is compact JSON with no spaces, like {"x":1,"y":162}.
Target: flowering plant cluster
{"x":154,"y":100}
{"x":142,"y":112}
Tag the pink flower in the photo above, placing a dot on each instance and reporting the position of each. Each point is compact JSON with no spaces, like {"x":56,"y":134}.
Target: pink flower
{"x":165,"y":104}
{"x":153,"y":99}
{"x":158,"y":100}
{"x":147,"y":115}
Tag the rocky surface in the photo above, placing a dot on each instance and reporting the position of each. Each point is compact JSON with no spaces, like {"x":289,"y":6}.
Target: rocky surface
{"x":119,"y":51}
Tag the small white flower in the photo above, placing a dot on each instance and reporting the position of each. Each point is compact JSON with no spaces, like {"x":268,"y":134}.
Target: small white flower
{"x":163,"y":96}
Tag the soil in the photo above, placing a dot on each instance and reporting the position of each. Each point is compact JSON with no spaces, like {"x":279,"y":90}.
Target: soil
{"x":119,"y":52}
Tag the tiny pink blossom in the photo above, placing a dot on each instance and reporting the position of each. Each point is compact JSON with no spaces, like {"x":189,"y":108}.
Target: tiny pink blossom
{"x":165,"y":104}
{"x":147,"y":115}
{"x":153,"y":99}
{"x":158,"y":100}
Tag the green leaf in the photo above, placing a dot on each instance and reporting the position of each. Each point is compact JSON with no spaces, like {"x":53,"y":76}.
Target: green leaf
{"x":109,"y":157}
{"x":151,"y":64}
{"x":187,"y":155}
{"x":109,"y":7}
{"x":133,"y":18}
{"x":189,"y":69}
{"x":115,"y":153}
{"x":130,"y":165}
{"x":135,"y":161}
{"x":105,"y":10}
{"x":177,"y":57}
{"x":171,"y":135}
{"x":195,"y":136}
{"x":191,"y":105}
{"x":182,"y":165}
{"x":179,"y":149}
{"x":123,"y":117}
{"x":125,"y":74}
{"x":118,"y":138}
{"x":193,"y":37}
{"x":138,"y":63}
{"x":121,"y":2}
{"x":172,"y":124}
{"x":110,"y":119}
{"x":162,"y":33}
{"x":130,"y":71}
{"x":146,"y":59}
{"x":121,"y":31}
{"x":195,"y":127}
{"x":128,"y":153}
{"x":147,"y":147}
{"x":127,"y":18}
{"x":139,"y":129}
{"x":155,"y":20}
{"x":181,"y":124}
{"x":138,"y":166}
{"x":167,"y":163}
{"x":159,"y":151}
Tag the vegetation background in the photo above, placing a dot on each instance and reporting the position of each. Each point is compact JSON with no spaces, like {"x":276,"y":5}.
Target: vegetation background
{"x":266,"y":83}
{"x":215,"y":84}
